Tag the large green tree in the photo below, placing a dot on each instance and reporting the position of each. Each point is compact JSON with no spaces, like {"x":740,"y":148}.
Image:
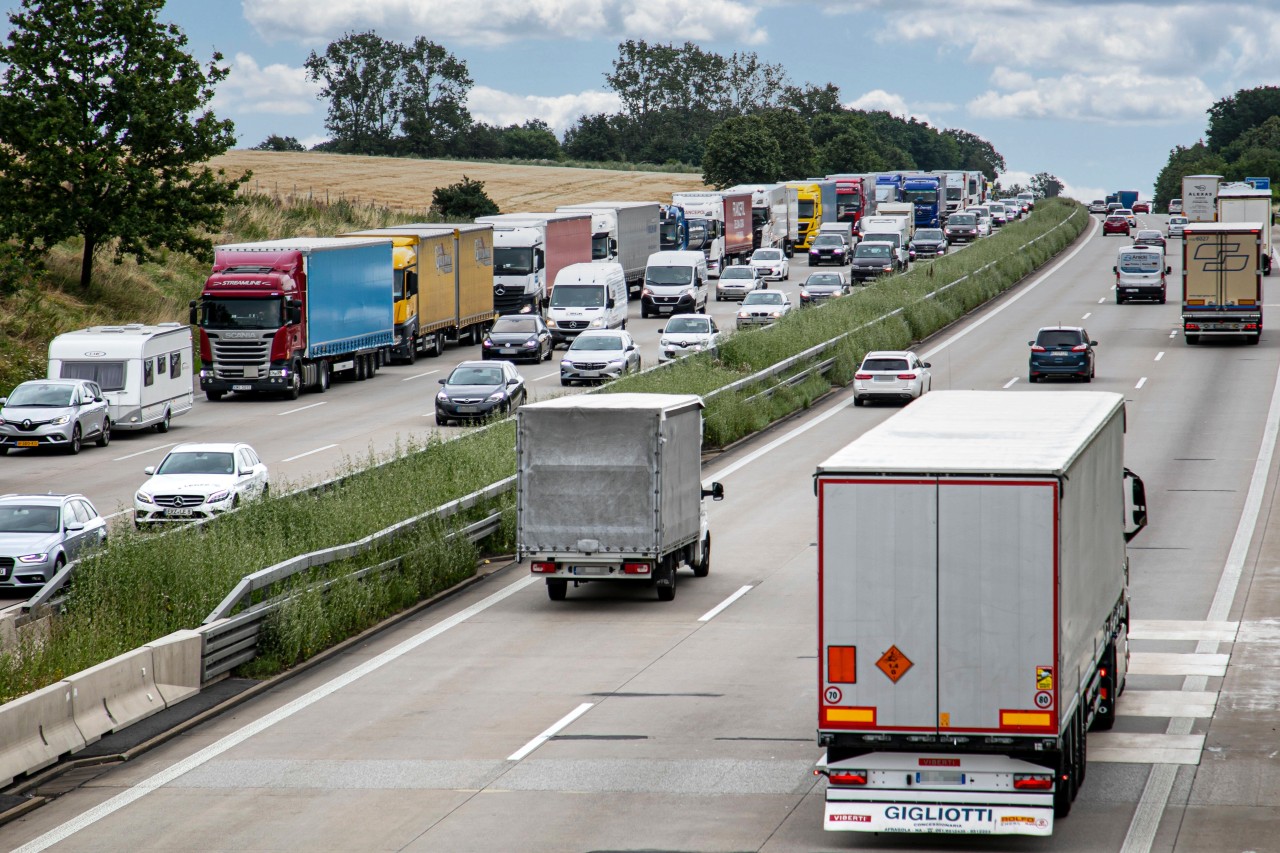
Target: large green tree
{"x":1045,"y":185}
{"x":1234,"y":115}
{"x":361,"y":77}
{"x":1194,"y":160}
{"x":435,"y":84}
{"x":741,"y":150}
{"x":789,"y":130}
{"x":975,"y":153}
{"x":104,"y":132}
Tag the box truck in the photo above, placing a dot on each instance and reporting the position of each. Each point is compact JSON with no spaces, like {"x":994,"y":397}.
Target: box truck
{"x":1244,"y":203}
{"x":529,"y":250}
{"x":443,"y":285}
{"x":775,"y":216}
{"x":622,"y":232}
{"x":718,"y":225}
{"x":145,"y":372}
{"x":608,"y":489}
{"x":1200,"y":197}
{"x":1222,"y":280}
{"x":973,"y":609}
{"x":281,"y":315}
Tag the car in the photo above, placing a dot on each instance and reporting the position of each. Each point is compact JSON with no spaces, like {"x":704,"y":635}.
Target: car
{"x":1114,"y":224}
{"x":891,"y":375}
{"x":737,"y":280}
{"x":686,"y":334}
{"x":60,"y":413}
{"x":772,"y":263}
{"x":1014,"y":208}
{"x":598,"y":355}
{"x":1175,"y":205}
{"x":524,"y":336}
{"x":928,"y":243}
{"x":961,"y":227}
{"x":829,"y":247}
{"x":763,"y":307}
{"x":999,"y":216}
{"x":1142,"y":207}
{"x":1062,"y":351}
{"x":1176,"y":224}
{"x":1113,"y":206}
{"x":196,"y":481}
{"x":984,"y":219}
{"x":872,"y":258}
{"x":1127,"y":214}
{"x":822,"y":286}
{"x":1028,"y":200}
{"x":476,"y":390}
{"x":1097,"y":206}
{"x":39,"y":534}
{"x":1148,"y":237}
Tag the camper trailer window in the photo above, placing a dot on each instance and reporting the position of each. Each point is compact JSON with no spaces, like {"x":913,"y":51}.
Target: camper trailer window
{"x":162,"y":364}
{"x":108,"y":374}
{"x":175,"y":364}
{"x":148,"y":375}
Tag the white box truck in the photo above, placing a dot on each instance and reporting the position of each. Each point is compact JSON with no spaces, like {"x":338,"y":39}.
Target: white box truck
{"x":1200,"y":197}
{"x":146,"y":373}
{"x":1222,"y":280}
{"x":608,"y":488}
{"x":775,"y":215}
{"x":529,"y":250}
{"x":623,"y":232}
{"x":1243,"y":203}
{"x":973,"y":609}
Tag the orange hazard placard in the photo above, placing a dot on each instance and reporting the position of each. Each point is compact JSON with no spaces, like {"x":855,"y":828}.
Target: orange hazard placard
{"x":894,"y":664}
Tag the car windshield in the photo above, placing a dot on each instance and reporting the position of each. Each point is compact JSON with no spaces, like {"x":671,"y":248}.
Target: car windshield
{"x":514,"y":326}
{"x":928,"y":234}
{"x":28,"y":519}
{"x":1116,"y":219}
{"x":1140,"y":262}
{"x":40,"y":394}
{"x":767,"y":255}
{"x":737,"y":272}
{"x":1150,"y":235}
{"x":690,"y":325}
{"x":198,"y":462}
{"x":577,"y":296}
{"x":1177,"y":220}
{"x":596,"y":342}
{"x":762,"y":297}
{"x":894,"y":364}
{"x":868,"y":250}
{"x":1059,"y":338}
{"x":669,"y":275}
{"x":828,"y":240}
{"x":964,"y":220}
{"x":822,"y":279}
{"x":475,"y":376}
{"x":1124,"y":211}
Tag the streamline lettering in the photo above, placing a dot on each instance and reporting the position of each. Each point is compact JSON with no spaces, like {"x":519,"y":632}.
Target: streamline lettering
{"x":943,"y":814}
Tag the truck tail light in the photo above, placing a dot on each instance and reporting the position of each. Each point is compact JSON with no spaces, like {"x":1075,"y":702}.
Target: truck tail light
{"x":635,"y":568}
{"x":863,"y":376}
{"x":1192,"y":327}
{"x":1080,"y":348}
{"x":848,"y":777}
{"x":1032,"y":783}
{"x":1251,"y":326}
{"x":1037,"y":348}
{"x":543,"y":567}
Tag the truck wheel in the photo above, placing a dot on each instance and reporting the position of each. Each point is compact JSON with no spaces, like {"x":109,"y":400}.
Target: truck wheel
{"x":667,"y":591}
{"x":437,"y":345}
{"x":1063,"y":777}
{"x":213,"y":396}
{"x":322,"y":377}
{"x":295,"y":384}
{"x":703,"y":568}
{"x":557,"y":588}
{"x":163,"y":426}
{"x":360,"y":368}
{"x":412,"y":358}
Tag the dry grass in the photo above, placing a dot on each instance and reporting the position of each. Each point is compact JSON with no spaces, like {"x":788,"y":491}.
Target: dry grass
{"x":406,"y":184}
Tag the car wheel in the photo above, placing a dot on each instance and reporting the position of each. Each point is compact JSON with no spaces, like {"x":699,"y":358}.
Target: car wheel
{"x":565,"y":382}
{"x":163,"y":426}
{"x":557,"y":588}
{"x":74,"y":447}
{"x":441,"y":421}
{"x":104,"y":437}
{"x":547,"y":355}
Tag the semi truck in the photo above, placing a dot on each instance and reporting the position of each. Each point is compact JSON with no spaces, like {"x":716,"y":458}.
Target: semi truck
{"x":775,"y":216}
{"x":955,"y":187}
{"x":719,"y":225}
{"x":888,"y":187}
{"x":1127,"y":198}
{"x":608,"y":490}
{"x":1222,"y":280}
{"x":925,"y":192}
{"x":281,"y":315}
{"x":1200,"y":197}
{"x":816,"y":200}
{"x":443,"y":285}
{"x":855,"y":198}
{"x":1244,"y":203}
{"x":973,"y":609}
{"x":904,"y":210}
{"x":673,"y":236}
{"x":622,"y":232}
{"x":529,"y":250}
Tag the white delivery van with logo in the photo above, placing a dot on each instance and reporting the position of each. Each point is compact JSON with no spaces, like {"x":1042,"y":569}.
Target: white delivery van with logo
{"x":587,"y":296}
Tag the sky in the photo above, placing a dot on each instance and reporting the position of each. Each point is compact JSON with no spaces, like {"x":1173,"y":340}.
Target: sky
{"x":1096,"y":93}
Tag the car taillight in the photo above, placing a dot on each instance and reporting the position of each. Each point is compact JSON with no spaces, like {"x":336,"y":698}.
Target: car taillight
{"x":635,"y":568}
{"x":906,"y":376}
{"x":542,"y":567}
{"x":1037,"y":348}
{"x":848,"y":777}
{"x":1032,"y":783}
{"x":863,"y":376}
{"x":1080,"y":348}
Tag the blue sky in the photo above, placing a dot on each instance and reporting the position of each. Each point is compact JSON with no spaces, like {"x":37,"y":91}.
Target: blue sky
{"x":1096,"y":93}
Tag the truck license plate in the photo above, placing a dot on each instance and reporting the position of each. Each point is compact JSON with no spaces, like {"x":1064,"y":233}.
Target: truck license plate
{"x":178,"y":513}
{"x":590,"y":570}
{"x":28,"y":444}
{"x":241,"y":387}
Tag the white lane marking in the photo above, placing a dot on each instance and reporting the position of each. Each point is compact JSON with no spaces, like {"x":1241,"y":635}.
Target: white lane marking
{"x":143,"y":452}
{"x":546,"y":376}
{"x":1010,"y":382}
{"x":300,"y":409}
{"x":1159,"y":355}
{"x":1173,"y":333}
{"x":1102,"y":300}
{"x":121,"y":512}
{"x":550,"y":733}
{"x":239,"y":736}
{"x":1141,"y":382}
{"x":309,"y":452}
{"x":420,"y":375}
{"x":1087,"y":315}
{"x":715,"y":611}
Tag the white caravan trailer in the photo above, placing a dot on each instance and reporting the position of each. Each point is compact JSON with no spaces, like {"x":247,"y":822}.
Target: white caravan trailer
{"x":145,"y":372}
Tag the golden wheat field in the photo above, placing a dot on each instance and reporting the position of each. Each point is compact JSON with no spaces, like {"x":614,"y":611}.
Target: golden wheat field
{"x":407,"y":184}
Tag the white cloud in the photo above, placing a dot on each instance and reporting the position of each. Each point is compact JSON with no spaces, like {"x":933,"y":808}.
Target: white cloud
{"x":489,"y":23}
{"x":1121,"y":96}
{"x":559,"y":111}
{"x":878,"y":100}
{"x":275,"y":89}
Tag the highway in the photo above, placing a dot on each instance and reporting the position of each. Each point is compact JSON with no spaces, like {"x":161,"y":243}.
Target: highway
{"x":500,"y":720}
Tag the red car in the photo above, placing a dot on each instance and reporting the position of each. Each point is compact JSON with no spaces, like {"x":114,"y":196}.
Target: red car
{"x":1141,"y":207}
{"x":1115,"y":225}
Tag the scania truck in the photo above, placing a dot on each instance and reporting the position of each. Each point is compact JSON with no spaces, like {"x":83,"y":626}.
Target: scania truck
{"x":973,"y":610}
{"x":529,"y":250}
{"x":1222,"y":280}
{"x":718,"y":225}
{"x":622,"y":232}
{"x":855,"y":198}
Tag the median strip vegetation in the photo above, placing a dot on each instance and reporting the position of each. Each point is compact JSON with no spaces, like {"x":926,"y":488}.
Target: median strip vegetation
{"x":143,"y":587}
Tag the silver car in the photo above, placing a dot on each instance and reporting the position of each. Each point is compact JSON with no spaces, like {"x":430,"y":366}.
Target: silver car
{"x":597,"y":355}
{"x":737,"y":280}
{"x":763,"y":307}
{"x":62,"y":413}
{"x":39,"y":534}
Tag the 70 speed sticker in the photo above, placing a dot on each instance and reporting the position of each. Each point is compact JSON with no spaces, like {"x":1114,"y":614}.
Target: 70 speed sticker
{"x":833,"y":695}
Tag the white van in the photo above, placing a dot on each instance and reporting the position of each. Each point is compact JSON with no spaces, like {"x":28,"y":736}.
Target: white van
{"x":145,"y":372}
{"x":587,"y":296}
{"x":674,"y":283}
{"x":1141,"y":274}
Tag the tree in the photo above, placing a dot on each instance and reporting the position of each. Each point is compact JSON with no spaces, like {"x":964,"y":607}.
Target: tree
{"x":1045,"y":185}
{"x":741,"y":151}
{"x":1232,"y":116}
{"x":532,"y":140}
{"x":1183,"y":161}
{"x":279,"y":143}
{"x":463,"y":201}
{"x":794,"y":142}
{"x":435,"y":85}
{"x":850,"y":152}
{"x":976,"y":153}
{"x":361,"y":73}
{"x":811,"y":101}
{"x":596,"y":137}
{"x":104,"y":132}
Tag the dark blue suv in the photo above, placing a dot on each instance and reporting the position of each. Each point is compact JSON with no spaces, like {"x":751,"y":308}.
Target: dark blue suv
{"x":1061,"y":351}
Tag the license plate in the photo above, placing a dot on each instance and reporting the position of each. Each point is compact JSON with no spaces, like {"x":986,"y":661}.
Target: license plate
{"x":940,"y":777}
{"x":507,"y":351}
{"x":590,"y":570}
{"x":468,"y":409}
{"x":241,"y":387}
{"x":1131,"y":290}
{"x":885,"y":379}
{"x":28,"y":444}
{"x":179,"y":513}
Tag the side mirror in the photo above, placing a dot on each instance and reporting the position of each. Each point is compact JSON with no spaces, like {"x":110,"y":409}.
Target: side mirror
{"x":75,"y":526}
{"x":613,"y":245}
{"x":1093,"y":343}
{"x":442,"y":381}
{"x":149,"y":470}
{"x":1115,"y":269}
{"x":3,"y":400}
{"x":513,"y":381}
{"x":97,"y":399}
{"x":610,"y":303}
{"x":193,"y":315}
{"x":1168,"y":270}
{"x":1136,"y":512}
{"x":926,"y":364}
{"x":1031,"y":343}
{"x":716,"y":492}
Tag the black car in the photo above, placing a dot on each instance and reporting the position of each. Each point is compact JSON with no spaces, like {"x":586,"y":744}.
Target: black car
{"x":1061,"y":351}
{"x":961,"y":226}
{"x":479,"y":389}
{"x":829,"y":248}
{"x":929,"y":243}
{"x":821,"y":286}
{"x":870,"y":259}
{"x":518,"y":336}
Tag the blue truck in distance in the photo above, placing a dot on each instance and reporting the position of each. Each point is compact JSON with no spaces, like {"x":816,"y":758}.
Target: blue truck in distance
{"x":927,"y":193}
{"x":673,"y":232}
{"x":888,"y":188}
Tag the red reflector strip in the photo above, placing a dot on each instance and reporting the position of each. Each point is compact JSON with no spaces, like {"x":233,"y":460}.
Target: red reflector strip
{"x":852,"y":777}
{"x":1033,"y":783}
{"x":635,"y":568}
{"x":542,"y":567}
{"x":842,"y":664}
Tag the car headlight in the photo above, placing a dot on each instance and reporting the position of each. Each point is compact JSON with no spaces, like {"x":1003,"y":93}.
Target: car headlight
{"x":143,"y":498}
{"x":531,"y":343}
{"x":59,"y":421}
{"x":688,"y":291}
{"x":597,"y":323}
{"x":617,"y":362}
{"x":217,"y":496}
{"x":742,"y":315}
{"x":496,"y":397}
{"x":551,"y":324}
{"x":887,"y":269}
{"x":698,"y":347}
{"x":442,"y":397}
{"x":804,"y":294}
{"x":34,"y":558}
{"x":665,"y":342}
{"x":775,"y":314}
{"x":644,"y":291}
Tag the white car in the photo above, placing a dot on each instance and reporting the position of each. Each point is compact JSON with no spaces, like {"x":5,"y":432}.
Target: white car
{"x":686,"y":334}
{"x":984,"y":219}
{"x":737,"y":280}
{"x":772,"y":263}
{"x":1127,"y":214}
{"x":1176,"y":224}
{"x":891,"y":375}
{"x":763,"y":307}
{"x":199,"y":481}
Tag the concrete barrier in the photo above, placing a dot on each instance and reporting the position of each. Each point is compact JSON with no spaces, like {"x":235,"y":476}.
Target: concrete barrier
{"x":176,"y":659}
{"x":35,"y":730}
{"x":113,"y":694}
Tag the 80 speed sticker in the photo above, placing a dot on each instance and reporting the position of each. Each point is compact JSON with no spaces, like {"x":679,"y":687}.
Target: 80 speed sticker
{"x":1044,"y":699}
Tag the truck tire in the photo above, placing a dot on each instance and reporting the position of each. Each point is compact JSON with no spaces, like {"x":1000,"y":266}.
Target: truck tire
{"x":1105,"y":718}
{"x":213,"y":396}
{"x":703,"y":566}
{"x":360,"y":368}
{"x":788,"y":249}
{"x":667,"y":591}
{"x":295,"y":383}
{"x":1064,"y":777}
{"x":437,"y":345}
{"x":412,"y":357}
{"x":322,"y":377}
{"x":557,"y":588}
